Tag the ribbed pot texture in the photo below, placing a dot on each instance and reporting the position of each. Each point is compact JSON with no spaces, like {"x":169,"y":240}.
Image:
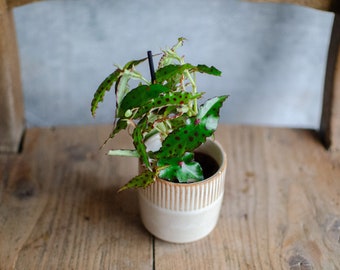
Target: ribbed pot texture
{"x":181,"y":213}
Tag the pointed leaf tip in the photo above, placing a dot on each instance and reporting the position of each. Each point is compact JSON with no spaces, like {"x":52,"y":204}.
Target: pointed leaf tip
{"x":103,"y":87}
{"x":143,"y":180}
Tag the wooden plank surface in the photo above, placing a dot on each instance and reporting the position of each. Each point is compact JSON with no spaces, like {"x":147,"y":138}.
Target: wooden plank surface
{"x":59,"y":208}
{"x":328,"y":5}
{"x":11,"y":98}
{"x":281,"y":208}
{"x":330,"y":119}
{"x":17,"y":3}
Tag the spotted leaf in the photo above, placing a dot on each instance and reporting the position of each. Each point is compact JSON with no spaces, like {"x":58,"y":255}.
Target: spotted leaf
{"x":120,"y":125}
{"x":138,"y":141}
{"x":165,"y":100}
{"x":134,"y":63}
{"x":103,"y":87}
{"x":171,"y":71}
{"x":140,"y":181}
{"x":190,"y":136}
{"x":139,"y":96}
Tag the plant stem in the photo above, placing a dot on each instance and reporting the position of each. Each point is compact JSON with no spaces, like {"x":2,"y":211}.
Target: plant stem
{"x":193,"y":84}
{"x":194,"y":90}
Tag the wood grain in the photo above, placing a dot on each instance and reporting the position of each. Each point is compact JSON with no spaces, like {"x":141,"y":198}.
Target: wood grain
{"x":59,"y":208}
{"x":11,"y":101}
{"x":330,"y":120}
{"x":281,"y":208}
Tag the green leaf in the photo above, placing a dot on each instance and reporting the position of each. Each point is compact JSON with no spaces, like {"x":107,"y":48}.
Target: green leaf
{"x":209,"y":112}
{"x":123,"y":153}
{"x":140,"y":181}
{"x":120,"y":125}
{"x":165,"y":100}
{"x":121,"y":89}
{"x":122,"y":84}
{"x":208,"y":70}
{"x":106,"y":85}
{"x":170,"y":55}
{"x":184,"y":139}
{"x":195,"y":131}
{"x":184,"y":169}
{"x":139,"y":96}
{"x":103,"y":87}
{"x":170,"y":71}
{"x":134,"y":63}
{"x":137,"y":136}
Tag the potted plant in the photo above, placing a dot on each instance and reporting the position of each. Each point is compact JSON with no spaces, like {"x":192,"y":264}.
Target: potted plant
{"x":182,"y":170}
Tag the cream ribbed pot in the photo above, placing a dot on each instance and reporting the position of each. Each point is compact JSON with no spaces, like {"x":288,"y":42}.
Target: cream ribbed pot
{"x":181,"y":213}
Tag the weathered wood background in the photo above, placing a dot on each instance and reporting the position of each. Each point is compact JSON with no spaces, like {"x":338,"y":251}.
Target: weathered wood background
{"x":59,"y":208}
{"x":329,"y":5}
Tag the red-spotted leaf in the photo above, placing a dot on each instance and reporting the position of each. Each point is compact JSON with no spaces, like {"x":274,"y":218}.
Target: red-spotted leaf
{"x":103,"y":87}
{"x":195,"y":131}
{"x":140,"y":181}
{"x":139,"y":96}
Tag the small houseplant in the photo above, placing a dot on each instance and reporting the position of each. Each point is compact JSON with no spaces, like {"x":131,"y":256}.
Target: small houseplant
{"x":167,"y":127}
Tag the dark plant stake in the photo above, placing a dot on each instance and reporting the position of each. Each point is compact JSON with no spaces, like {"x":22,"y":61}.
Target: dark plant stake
{"x":152,"y":69}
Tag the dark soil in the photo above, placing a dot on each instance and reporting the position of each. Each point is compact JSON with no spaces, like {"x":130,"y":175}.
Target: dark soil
{"x":209,"y":165}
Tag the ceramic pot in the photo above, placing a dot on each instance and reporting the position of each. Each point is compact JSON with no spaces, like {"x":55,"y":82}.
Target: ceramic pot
{"x":182,"y":213}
